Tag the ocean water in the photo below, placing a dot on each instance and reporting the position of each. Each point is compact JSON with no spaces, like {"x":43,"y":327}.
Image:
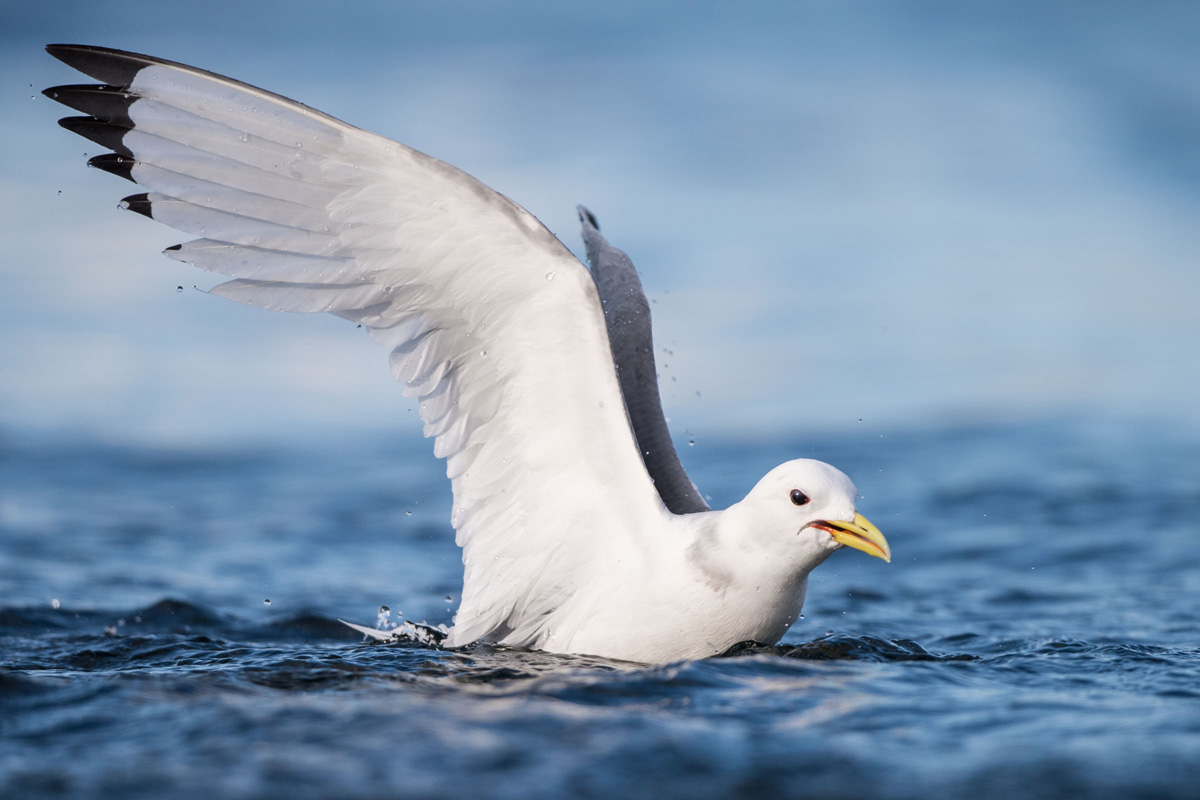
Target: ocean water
{"x":168,"y":628}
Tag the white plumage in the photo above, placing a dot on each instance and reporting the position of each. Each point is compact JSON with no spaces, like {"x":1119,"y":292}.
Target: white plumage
{"x":500,"y":333}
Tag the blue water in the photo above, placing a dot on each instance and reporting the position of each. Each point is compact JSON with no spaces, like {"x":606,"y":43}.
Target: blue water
{"x":1035,"y":636}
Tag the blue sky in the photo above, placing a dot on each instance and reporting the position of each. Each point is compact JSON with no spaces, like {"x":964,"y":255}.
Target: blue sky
{"x":910,"y":214}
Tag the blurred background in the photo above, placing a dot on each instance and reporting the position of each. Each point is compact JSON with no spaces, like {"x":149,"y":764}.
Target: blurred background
{"x":849,"y":215}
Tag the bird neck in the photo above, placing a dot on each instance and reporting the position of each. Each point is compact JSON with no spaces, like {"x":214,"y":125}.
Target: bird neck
{"x":735,"y":545}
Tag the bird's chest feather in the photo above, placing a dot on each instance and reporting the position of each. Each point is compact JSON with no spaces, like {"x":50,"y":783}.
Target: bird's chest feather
{"x":679,"y":620}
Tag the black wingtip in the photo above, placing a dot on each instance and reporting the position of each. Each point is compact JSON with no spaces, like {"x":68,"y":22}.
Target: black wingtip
{"x":114,"y":67}
{"x":115,"y":163}
{"x":587,"y":217}
{"x":106,"y":103}
{"x":105,"y":134}
{"x":139,"y":203}
{"x":119,"y":68}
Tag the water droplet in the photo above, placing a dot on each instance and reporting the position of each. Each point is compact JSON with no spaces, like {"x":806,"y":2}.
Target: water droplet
{"x":449,"y":599}
{"x":383,"y":620}
{"x":267,"y":602}
{"x":179,"y":288}
{"x":801,"y":616}
{"x":54,"y":603}
{"x":691,"y":442}
{"x":60,"y":191}
{"x":550,"y":275}
{"x":408,"y":513}
{"x":483,"y":353}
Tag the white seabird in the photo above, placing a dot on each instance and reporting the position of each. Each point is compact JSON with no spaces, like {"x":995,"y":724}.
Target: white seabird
{"x":567,"y":544}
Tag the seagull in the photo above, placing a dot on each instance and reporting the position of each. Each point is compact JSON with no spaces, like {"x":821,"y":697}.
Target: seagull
{"x":580,"y":531}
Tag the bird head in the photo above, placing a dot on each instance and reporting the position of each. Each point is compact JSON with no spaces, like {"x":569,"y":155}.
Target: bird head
{"x":814,"y":503}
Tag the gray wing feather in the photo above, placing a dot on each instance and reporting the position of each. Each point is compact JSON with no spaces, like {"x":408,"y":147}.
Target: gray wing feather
{"x":627,"y":317}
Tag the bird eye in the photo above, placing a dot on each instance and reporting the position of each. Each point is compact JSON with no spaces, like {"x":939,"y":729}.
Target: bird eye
{"x":799,"y":497}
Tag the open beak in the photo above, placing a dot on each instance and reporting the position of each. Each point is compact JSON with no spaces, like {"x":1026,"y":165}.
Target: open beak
{"x":859,"y":534}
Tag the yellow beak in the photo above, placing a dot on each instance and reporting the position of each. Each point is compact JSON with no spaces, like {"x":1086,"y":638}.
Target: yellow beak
{"x":859,"y":534}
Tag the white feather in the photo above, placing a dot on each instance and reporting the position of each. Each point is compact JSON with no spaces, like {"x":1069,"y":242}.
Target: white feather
{"x":494,"y":325}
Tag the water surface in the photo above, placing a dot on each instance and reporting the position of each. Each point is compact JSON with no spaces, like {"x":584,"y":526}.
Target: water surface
{"x":1035,"y":636}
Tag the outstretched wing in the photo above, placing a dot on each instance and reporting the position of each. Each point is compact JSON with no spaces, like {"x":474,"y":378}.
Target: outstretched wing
{"x":627,"y":315}
{"x":493,"y":324}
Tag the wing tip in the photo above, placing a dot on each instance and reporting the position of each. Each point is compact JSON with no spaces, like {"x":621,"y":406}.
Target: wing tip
{"x":59,"y":49}
{"x":138,"y":203}
{"x":115,"y":163}
{"x":105,"y":134}
{"x":374,"y":633}
{"x":119,"y":68}
{"x":105,"y":103}
{"x":115,"y":67}
{"x":586,"y":217}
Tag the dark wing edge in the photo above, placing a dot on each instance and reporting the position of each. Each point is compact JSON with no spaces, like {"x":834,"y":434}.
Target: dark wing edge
{"x":627,"y":318}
